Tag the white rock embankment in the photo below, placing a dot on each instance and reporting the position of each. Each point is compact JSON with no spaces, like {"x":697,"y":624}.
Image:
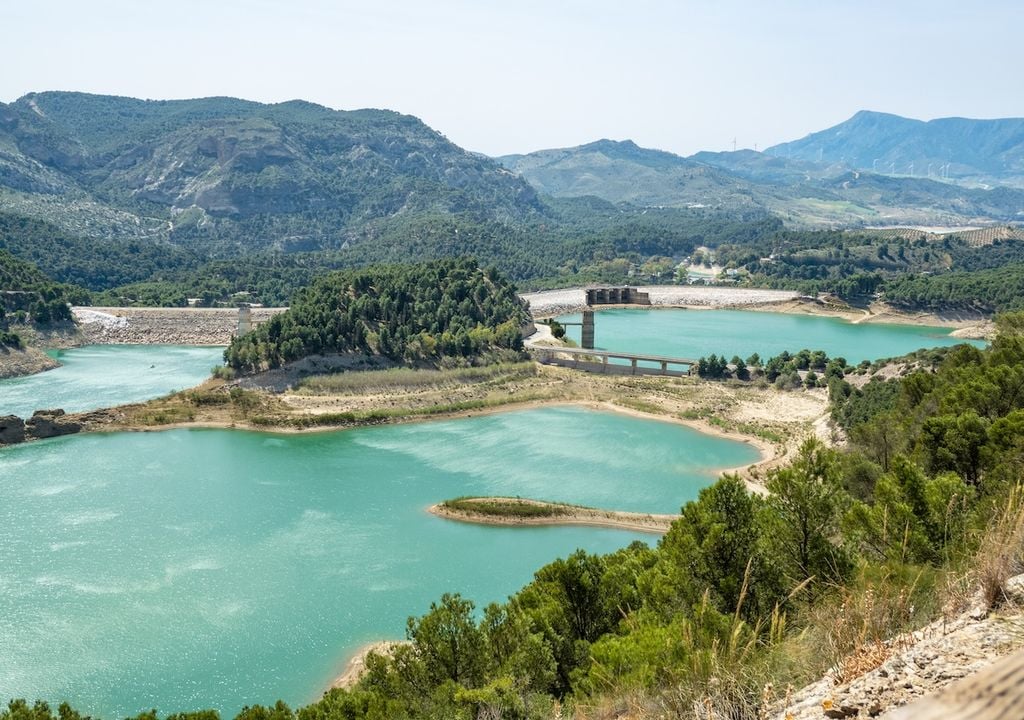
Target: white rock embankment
{"x":162,"y":326}
{"x":555,"y":302}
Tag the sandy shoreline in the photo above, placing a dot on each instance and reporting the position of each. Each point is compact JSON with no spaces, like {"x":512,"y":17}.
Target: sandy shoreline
{"x":355,"y":666}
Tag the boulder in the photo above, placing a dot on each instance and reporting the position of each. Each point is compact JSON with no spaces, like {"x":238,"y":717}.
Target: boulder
{"x":50,"y":423}
{"x":12,"y":430}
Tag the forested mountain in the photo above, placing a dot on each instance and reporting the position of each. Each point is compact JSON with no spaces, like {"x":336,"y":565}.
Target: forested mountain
{"x":625,"y":172}
{"x":222,"y":200}
{"x":408,"y":313}
{"x":981,"y":151}
{"x":26,"y":294}
{"x":801,"y":192}
{"x":233,"y":173}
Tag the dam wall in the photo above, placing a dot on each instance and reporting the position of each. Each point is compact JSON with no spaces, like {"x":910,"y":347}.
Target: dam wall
{"x":163,"y":326}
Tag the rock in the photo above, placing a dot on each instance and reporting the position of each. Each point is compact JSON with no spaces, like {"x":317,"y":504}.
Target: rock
{"x":1014,"y":590}
{"x":49,"y":423}
{"x":12,"y":430}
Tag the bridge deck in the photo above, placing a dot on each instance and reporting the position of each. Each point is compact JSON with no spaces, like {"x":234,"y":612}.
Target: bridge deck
{"x":616,"y":354}
{"x":583,"y":359}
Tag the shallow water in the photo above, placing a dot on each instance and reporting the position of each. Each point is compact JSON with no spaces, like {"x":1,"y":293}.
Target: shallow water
{"x":214,"y":568}
{"x":99,"y":376}
{"x":698,"y":333}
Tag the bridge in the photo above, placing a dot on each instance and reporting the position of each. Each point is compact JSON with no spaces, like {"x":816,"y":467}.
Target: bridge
{"x":592,"y":360}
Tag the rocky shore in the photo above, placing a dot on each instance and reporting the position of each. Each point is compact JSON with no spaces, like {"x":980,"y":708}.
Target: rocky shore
{"x":54,"y":423}
{"x":162,"y":326}
{"x":15,"y":363}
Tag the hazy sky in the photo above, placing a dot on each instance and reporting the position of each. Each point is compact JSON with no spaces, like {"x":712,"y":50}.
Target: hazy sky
{"x":520,"y":75}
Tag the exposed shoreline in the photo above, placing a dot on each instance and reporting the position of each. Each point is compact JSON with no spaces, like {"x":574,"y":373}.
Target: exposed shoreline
{"x":355,"y":666}
{"x":550,"y":303}
{"x":216,"y":326}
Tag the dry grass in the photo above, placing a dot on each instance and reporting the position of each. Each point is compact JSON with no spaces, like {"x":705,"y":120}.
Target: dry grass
{"x":398,"y":379}
{"x":1000,"y":553}
{"x":873,"y":620}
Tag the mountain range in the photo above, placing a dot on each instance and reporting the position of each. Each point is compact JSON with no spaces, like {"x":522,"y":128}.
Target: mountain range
{"x":292,"y":176}
{"x":787,"y":182}
{"x":218,"y":175}
{"x":974,"y":152}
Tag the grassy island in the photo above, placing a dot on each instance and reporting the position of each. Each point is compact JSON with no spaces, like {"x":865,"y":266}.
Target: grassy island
{"x":524,"y":511}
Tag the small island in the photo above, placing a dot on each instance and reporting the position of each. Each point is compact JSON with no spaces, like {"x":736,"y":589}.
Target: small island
{"x":524,"y":511}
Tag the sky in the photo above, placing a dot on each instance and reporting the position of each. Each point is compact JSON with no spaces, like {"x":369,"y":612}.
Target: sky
{"x":514,"y":76}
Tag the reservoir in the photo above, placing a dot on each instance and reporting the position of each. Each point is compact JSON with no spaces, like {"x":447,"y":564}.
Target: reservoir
{"x":678,"y":332}
{"x":98,"y":376}
{"x":188,"y":569}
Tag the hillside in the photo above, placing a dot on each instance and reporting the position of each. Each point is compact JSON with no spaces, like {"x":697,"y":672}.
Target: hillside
{"x":801,"y":192}
{"x":417,"y":314}
{"x":227,"y":172}
{"x":624,"y":172}
{"x":973,"y":151}
{"x":28,"y":294}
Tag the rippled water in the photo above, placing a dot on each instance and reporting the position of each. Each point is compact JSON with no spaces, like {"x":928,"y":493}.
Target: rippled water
{"x":99,"y":376}
{"x":699,"y":333}
{"x":204,"y":568}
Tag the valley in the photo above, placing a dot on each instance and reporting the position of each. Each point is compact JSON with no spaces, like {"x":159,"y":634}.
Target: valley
{"x":236,"y":510}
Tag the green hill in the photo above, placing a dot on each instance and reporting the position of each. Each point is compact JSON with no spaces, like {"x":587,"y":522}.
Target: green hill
{"x":407,"y":313}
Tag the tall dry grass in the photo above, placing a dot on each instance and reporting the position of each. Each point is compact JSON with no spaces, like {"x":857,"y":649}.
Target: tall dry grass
{"x":365,"y":381}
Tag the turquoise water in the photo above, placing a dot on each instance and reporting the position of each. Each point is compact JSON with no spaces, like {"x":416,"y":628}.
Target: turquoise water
{"x":99,"y":376}
{"x":699,"y":333}
{"x":214,"y":568}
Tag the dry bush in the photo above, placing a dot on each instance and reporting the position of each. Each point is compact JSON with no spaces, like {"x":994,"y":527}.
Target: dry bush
{"x":1000,"y":553}
{"x":871,"y":623}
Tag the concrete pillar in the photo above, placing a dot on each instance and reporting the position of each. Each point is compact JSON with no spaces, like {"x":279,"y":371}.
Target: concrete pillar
{"x":244,"y":320}
{"x":587,"y":335}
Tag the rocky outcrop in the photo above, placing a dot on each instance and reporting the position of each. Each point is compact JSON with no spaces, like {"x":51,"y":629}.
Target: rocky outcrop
{"x":12,"y":430}
{"x":50,"y":423}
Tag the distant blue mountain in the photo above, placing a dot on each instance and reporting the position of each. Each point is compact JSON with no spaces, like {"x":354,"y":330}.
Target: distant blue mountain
{"x":982,"y":151}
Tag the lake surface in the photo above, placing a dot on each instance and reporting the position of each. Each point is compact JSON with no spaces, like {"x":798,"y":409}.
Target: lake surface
{"x":212,"y":568}
{"x":98,"y":376}
{"x":699,"y":333}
